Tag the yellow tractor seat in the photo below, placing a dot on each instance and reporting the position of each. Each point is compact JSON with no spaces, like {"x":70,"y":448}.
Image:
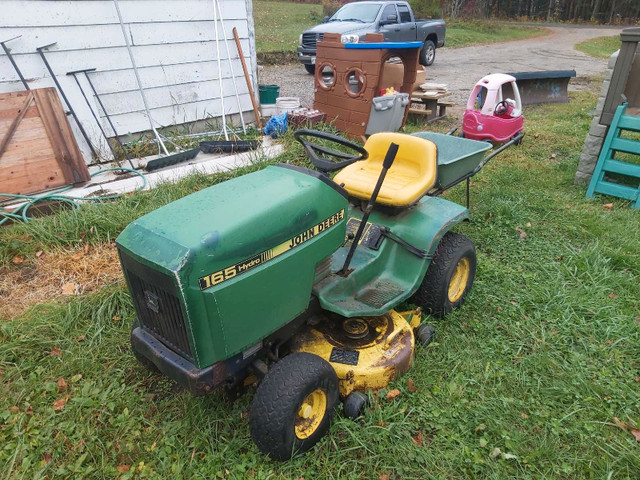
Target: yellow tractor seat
{"x":412,"y":174}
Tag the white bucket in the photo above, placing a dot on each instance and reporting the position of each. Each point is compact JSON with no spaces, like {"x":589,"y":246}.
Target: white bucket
{"x":284,"y":104}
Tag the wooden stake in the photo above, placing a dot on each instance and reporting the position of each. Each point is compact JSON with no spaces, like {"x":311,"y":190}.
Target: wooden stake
{"x":247,"y":78}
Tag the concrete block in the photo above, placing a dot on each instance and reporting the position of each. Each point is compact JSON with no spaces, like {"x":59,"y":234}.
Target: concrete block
{"x":592,"y":146}
{"x":582,"y":178}
{"x":613,"y":58}
{"x":605,"y":88}
{"x":596,"y":129}
{"x":608,"y":74}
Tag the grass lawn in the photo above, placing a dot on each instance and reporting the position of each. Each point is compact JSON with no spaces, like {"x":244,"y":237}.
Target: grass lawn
{"x":536,"y":376}
{"x":468,"y":32}
{"x":601,"y":47}
{"x":279,"y":24}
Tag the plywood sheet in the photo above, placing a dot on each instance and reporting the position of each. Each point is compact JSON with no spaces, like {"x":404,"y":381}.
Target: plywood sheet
{"x":41,"y":152}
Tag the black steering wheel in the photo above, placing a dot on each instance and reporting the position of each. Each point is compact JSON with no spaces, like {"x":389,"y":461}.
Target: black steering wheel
{"x":323,"y":163}
{"x":501,"y":108}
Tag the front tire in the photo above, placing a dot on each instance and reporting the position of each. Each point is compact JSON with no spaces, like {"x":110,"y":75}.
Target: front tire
{"x":294,"y":405}
{"x":449,"y":276}
{"x":310,"y":68}
{"x":428,"y":53}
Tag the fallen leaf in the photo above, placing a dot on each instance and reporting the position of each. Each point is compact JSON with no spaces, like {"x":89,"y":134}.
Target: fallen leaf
{"x":513,"y":302}
{"x":608,"y":206}
{"x":495,"y":453}
{"x":523,"y":234}
{"x":384,"y":476}
{"x":392,"y":394}
{"x":411,"y":386}
{"x":613,"y":295}
{"x":29,"y":410}
{"x":55,"y":352}
{"x":17,"y":260}
{"x":620,"y":423}
{"x":68,"y":289}
{"x":636,"y":379}
{"x":62,"y":385}
{"x":116,"y":318}
{"x":122,"y":468}
{"x":39,"y":253}
{"x":14,"y":409}
{"x":417,"y":439}
{"x":536,"y":135}
{"x":483,"y":442}
{"x":528,"y":224}
{"x":480,"y":428}
{"x":508,"y":456}
{"x":382,"y":424}
{"x":636,"y":434}
{"x":86,"y":248}
{"x":524,"y":415}
{"x":81,"y":338}
{"x":59,"y":404}
{"x":46,"y":457}
{"x":553,"y":156}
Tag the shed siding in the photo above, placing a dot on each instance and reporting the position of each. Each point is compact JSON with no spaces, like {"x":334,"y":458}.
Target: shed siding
{"x":173,"y":43}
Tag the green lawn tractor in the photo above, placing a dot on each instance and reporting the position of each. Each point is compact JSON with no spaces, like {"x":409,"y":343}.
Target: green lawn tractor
{"x":290,"y":278}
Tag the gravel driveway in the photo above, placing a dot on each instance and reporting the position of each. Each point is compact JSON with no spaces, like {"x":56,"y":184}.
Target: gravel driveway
{"x":460,"y":68}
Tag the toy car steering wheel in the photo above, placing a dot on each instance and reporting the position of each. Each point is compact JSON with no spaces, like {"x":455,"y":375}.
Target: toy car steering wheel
{"x":323,"y":163}
{"x":501,"y":108}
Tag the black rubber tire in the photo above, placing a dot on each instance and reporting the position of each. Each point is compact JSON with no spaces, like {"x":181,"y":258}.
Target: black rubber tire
{"x":279,"y":397}
{"x":425,"y":334}
{"x":432,"y":294}
{"x":310,"y":68}
{"x":428,"y":53}
{"x":354,"y":405}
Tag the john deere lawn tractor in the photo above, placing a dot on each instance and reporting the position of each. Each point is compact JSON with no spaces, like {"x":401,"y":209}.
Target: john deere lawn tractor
{"x":287,"y":277}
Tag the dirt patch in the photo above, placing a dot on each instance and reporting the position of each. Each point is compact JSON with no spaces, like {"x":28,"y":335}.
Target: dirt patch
{"x":56,"y":276}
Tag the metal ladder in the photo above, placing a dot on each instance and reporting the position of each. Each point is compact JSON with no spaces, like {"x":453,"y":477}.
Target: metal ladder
{"x":607,"y":164}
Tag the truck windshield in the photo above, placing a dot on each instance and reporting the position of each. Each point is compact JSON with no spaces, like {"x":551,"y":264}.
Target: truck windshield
{"x":357,"y":12}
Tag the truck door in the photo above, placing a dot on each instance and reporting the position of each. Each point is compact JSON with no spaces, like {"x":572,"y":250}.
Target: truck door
{"x":408,"y":32}
{"x":389,"y":25}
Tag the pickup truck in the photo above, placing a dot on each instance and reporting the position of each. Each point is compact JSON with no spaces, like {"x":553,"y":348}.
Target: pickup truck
{"x":393,"y":19}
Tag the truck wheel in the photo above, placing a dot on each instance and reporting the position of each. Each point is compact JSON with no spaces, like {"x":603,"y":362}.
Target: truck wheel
{"x":294,"y":405}
{"x":449,"y":277}
{"x":310,"y":68}
{"x":428,"y":53}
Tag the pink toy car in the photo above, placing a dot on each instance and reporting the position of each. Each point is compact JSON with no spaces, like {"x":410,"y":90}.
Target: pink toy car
{"x":497,"y":119}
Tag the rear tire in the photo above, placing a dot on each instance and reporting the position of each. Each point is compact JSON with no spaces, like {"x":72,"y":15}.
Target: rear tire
{"x":449,"y":276}
{"x":428,"y":53}
{"x":310,"y":68}
{"x":294,"y":405}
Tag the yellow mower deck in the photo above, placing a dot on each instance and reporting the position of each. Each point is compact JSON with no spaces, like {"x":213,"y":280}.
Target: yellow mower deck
{"x":366,"y":352}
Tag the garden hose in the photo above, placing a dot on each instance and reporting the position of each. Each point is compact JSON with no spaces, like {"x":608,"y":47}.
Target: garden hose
{"x":21,"y":212}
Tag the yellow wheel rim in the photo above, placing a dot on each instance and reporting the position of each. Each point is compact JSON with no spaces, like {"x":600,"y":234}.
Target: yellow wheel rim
{"x":459,"y":279}
{"x":310,"y":414}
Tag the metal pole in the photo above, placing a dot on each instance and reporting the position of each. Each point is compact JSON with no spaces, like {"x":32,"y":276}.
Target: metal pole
{"x":66,"y":100}
{"x":15,"y":66}
{"x":106,"y":115}
{"x":95,"y":117}
{"x":215,"y":26}
{"x":135,"y":71}
{"x":233,"y":76}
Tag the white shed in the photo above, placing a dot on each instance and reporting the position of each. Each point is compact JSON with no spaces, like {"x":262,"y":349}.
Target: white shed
{"x":173,"y":43}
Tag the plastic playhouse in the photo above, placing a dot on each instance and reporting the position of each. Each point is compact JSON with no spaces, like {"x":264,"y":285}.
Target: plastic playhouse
{"x":353,"y":86}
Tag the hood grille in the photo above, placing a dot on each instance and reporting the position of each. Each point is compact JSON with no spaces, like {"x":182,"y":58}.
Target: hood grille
{"x":157,"y":305}
{"x":309,"y":40}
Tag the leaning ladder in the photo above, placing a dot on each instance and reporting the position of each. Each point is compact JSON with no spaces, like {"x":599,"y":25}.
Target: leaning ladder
{"x":606,"y":163}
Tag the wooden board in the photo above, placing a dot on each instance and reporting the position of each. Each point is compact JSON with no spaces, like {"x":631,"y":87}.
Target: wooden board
{"x":41,"y":152}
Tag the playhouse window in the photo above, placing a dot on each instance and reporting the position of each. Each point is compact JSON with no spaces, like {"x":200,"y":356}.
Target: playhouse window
{"x":327,"y":76}
{"x":355,"y":82}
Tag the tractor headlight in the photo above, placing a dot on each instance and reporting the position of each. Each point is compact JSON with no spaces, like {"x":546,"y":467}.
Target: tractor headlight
{"x":350,"y":38}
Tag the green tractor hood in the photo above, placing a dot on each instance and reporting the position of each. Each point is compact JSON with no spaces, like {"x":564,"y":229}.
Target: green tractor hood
{"x":217,"y":271}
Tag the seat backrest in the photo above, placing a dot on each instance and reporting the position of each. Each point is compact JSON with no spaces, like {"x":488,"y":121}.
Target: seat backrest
{"x":416,"y":156}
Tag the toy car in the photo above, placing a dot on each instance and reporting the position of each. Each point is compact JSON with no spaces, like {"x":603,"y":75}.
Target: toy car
{"x":497,"y":119}
{"x":287,"y":276}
